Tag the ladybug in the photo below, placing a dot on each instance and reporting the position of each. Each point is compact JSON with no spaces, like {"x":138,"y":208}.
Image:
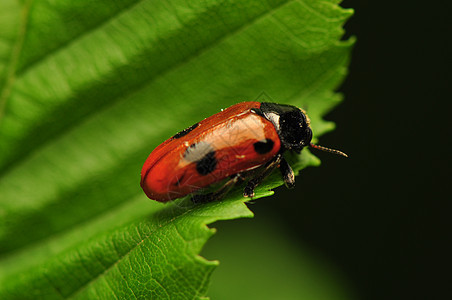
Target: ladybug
{"x":243,"y":142}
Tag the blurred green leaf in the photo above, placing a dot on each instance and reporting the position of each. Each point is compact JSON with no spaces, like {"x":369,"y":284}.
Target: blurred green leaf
{"x":88,"y":89}
{"x":260,"y":260}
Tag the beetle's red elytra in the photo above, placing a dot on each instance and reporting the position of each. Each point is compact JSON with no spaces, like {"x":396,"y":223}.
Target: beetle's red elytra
{"x":244,"y":142}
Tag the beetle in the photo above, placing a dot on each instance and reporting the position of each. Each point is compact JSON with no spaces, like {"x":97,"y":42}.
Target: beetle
{"x":244,"y":142}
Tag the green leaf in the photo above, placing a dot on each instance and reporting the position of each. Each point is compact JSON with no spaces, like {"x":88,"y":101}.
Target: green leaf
{"x":155,"y":257}
{"x":88,"y":89}
{"x":10,"y":44}
{"x":260,"y":260}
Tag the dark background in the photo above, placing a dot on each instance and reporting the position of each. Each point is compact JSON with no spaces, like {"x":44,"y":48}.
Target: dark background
{"x":383,"y":215}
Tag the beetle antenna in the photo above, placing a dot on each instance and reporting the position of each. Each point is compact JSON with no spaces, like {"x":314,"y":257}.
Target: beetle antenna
{"x":328,"y":150}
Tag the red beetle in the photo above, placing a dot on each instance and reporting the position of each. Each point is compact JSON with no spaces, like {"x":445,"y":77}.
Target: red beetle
{"x":243,"y":142}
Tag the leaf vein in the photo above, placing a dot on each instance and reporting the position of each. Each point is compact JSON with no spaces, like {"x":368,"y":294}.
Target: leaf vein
{"x":14,"y":58}
{"x":76,"y":38}
{"x":120,"y":258}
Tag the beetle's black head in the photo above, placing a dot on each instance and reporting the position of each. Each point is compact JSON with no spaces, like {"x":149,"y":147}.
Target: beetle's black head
{"x":291,"y":123}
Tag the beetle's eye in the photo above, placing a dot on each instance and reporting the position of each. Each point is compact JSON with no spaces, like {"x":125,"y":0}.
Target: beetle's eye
{"x":307,"y":136}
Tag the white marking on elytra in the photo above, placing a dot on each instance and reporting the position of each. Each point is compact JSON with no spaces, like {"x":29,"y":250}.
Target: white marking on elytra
{"x":197,"y":151}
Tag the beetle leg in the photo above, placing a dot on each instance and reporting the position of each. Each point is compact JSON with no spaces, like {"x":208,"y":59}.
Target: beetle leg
{"x":228,"y":185}
{"x":253,"y":183}
{"x":287,"y":174}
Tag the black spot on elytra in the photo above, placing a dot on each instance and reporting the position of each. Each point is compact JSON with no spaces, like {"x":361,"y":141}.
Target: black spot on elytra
{"x":185,"y":131}
{"x":264,"y":146}
{"x":206,"y":164}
